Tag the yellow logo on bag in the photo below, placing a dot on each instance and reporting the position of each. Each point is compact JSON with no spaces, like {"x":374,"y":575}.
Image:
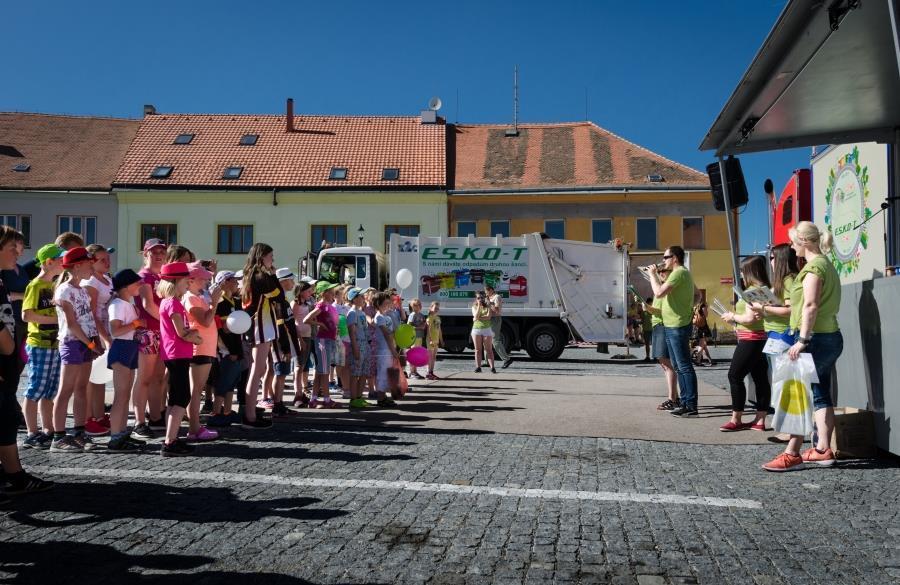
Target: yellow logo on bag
{"x":793,"y":397}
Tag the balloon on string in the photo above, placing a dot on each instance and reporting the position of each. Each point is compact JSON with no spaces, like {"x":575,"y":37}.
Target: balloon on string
{"x":238,"y":322}
{"x":417,"y":356}
{"x":404,"y":278}
{"x":405,"y":335}
{"x":100,"y":373}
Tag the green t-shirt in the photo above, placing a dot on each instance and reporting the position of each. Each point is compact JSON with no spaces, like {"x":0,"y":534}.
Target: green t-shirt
{"x":829,"y":299}
{"x":39,"y":298}
{"x":656,"y":319}
{"x":774,"y":322}
{"x":739,"y":309}
{"x":678,"y":305}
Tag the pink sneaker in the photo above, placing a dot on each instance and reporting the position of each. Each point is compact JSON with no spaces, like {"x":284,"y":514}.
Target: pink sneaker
{"x":93,"y":428}
{"x":204,"y":434}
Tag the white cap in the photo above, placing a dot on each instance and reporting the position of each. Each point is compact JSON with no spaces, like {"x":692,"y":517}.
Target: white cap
{"x":309,"y":280}
{"x":239,"y":274}
{"x":284,"y":274}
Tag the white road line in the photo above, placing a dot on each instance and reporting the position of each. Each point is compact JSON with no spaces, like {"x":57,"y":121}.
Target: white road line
{"x":213,"y":476}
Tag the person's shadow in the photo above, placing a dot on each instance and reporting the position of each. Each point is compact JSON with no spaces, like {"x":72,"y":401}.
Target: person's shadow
{"x":89,"y":503}
{"x":70,"y":561}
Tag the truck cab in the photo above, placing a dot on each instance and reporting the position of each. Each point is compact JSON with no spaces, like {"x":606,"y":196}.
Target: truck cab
{"x":359,"y":266}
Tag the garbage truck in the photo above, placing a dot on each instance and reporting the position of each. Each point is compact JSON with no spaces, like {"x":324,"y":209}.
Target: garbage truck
{"x":554,"y":291}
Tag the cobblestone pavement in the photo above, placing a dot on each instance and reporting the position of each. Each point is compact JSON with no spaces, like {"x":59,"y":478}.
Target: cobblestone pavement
{"x":311,"y":504}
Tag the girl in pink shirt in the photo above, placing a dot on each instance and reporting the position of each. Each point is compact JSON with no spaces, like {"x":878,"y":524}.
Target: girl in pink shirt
{"x":176,"y":349}
{"x":201,"y":317}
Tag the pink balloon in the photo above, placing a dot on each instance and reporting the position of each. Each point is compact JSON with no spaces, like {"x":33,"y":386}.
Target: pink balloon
{"x":417,"y":356}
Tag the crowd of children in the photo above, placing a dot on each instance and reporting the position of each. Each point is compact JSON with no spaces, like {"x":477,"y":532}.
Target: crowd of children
{"x":164,"y":333}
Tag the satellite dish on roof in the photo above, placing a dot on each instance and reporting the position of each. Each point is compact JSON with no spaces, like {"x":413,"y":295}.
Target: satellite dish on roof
{"x":434,"y":103}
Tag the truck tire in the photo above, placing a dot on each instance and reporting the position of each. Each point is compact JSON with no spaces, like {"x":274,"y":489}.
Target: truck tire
{"x":545,"y":342}
{"x":454,"y":346}
{"x":508,"y":337}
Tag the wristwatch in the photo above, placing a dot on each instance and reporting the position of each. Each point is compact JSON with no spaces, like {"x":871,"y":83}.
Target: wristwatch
{"x":804,"y":340}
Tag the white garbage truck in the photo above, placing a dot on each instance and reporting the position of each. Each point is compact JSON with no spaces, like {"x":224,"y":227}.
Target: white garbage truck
{"x":554,"y":291}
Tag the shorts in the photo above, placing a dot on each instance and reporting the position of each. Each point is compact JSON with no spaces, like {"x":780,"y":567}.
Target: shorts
{"x":10,"y":413}
{"x":324,"y":354}
{"x":179,"y":381}
{"x":229,"y":375}
{"x":125,"y":352}
{"x":43,"y":373}
{"x":202,"y":360}
{"x":419,"y":342}
{"x":382,"y":380}
{"x":283,"y":368}
{"x":659,"y":350}
{"x":149,"y":341}
{"x":361,"y":366}
{"x":486,"y":332}
{"x":75,"y":353}
{"x":703,"y":332}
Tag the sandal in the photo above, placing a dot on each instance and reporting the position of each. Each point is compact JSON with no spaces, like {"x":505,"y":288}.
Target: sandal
{"x":328,"y":403}
{"x":667,"y":405}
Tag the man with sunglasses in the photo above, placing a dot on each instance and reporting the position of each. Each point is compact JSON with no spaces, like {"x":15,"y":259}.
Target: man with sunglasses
{"x":677,"y":294}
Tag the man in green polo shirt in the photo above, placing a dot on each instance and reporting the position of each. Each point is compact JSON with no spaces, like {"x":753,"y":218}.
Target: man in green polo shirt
{"x":677,"y":294}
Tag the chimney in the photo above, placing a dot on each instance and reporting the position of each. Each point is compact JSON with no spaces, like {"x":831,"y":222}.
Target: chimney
{"x":149,"y":110}
{"x":289,"y":127}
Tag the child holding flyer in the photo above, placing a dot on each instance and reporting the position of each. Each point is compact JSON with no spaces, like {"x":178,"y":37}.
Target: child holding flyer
{"x":435,"y":337}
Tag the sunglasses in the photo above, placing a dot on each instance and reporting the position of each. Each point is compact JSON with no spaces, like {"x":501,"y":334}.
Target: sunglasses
{"x":667,"y":257}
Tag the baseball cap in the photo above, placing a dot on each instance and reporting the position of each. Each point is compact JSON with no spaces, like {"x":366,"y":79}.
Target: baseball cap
{"x":239,"y":274}
{"x":153,"y":243}
{"x":124,"y":278}
{"x":74,"y":256}
{"x":174,"y":270}
{"x":49,"y":252}
{"x":323,"y":286}
{"x":284,"y":274}
{"x":308,"y":280}
{"x":353,"y":293}
{"x":197,"y":270}
{"x":223,"y":275}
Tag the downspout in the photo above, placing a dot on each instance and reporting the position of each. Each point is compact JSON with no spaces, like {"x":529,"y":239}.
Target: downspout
{"x":275,"y":197}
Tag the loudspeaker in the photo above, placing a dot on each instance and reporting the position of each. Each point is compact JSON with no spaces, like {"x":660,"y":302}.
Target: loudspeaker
{"x":737,"y":189}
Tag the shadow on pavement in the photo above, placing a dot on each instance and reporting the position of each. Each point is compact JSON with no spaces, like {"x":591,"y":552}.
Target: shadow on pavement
{"x":90,"y":503}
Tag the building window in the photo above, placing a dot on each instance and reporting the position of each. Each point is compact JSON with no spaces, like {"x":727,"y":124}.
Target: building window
{"x":86,"y":227}
{"x":646,"y":234}
{"x":184,"y":139}
{"x":233,"y":173}
{"x":465,"y":229}
{"x":601,"y":231}
{"x":338,"y":173}
{"x":331,"y":235}
{"x":234,"y":239}
{"x":692,"y":227}
{"x":555,"y":228}
{"x":390,"y":174}
{"x":249,"y":139}
{"x":167,"y":232}
{"x":21,"y":223}
{"x":161,"y":172}
{"x":500,"y":228}
{"x":403,"y":230}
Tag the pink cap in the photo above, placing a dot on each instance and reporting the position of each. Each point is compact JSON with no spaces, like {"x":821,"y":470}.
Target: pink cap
{"x":198,"y":271}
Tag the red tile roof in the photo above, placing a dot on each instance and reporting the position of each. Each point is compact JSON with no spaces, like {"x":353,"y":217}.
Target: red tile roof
{"x":364,"y":145}
{"x":576,"y":154}
{"x":64,"y":152}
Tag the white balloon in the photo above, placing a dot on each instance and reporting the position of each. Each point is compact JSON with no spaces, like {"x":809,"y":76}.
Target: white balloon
{"x":100,"y":374}
{"x":238,"y":322}
{"x":404,"y":278}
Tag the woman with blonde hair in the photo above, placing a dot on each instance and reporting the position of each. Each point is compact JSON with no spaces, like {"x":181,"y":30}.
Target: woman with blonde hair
{"x":815,"y":301}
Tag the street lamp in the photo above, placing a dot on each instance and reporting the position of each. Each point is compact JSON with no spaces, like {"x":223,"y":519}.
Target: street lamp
{"x":360,"y":233}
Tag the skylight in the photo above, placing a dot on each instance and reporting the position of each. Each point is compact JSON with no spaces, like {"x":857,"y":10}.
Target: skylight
{"x":656,"y":178}
{"x":233,"y":173}
{"x":184,"y":139}
{"x":389,"y":174}
{"x":161,"y":172}
{"x":22,"y":168}
{"x":338,"y":173}
{"x":249,"y":139}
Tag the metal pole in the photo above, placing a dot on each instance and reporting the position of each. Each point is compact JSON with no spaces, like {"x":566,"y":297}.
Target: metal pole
{"x":729,"y":222}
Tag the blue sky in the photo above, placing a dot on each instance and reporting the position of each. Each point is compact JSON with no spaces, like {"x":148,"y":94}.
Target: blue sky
{"x":655,"y":72}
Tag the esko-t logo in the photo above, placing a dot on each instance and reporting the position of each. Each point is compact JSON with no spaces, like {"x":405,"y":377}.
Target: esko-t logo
{"x":438,"y":253}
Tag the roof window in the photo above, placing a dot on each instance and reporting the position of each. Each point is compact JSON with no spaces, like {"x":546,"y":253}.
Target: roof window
{"x":390,"y":174}
{"x":338,"y":173}
{"x":656,"y":178}
{"x":233,"y":173}
{"x":22,"y":168}
{"x":184,"y":139}
{"x":249,"y":139}
{"x":161,"y":172}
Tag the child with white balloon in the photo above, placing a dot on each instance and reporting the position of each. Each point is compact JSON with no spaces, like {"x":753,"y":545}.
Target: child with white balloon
{"x":123,"y":357}
{"x":233,"y":324}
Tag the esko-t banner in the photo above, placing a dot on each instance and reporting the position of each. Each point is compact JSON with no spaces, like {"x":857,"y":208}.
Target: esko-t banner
{"x":458,"y":271}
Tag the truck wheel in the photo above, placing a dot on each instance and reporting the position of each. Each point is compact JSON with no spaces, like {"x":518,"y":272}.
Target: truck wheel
{"x":454,"y":347}
{"x":507,"y":337}
{"x":545,"y":342}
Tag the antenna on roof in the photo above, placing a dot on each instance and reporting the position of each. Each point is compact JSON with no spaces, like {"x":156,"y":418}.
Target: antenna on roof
{"x":514,"y":131}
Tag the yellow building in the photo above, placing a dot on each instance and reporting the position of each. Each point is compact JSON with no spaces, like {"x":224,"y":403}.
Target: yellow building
{"x":578,"y":181}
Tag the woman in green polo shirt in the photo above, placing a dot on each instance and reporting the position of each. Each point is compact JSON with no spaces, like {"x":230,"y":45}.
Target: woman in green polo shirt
{"x":815,"y":299}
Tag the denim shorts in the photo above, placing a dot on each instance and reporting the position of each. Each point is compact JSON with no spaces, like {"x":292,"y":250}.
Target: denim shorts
{"x":229,"y":374}
{"x":283,"y":368}
{"x":125,"y":352}
{"x":825,"y":348}
{"x":658,"y":349}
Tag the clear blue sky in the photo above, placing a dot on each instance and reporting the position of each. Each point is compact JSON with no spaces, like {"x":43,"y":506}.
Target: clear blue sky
{"x":655,"y":72}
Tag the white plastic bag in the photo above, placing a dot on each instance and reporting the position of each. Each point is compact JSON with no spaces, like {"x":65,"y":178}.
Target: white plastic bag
{"x":792,"y":394}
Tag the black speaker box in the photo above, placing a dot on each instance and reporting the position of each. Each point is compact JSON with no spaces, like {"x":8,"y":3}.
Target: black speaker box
{"x":737,"y":188}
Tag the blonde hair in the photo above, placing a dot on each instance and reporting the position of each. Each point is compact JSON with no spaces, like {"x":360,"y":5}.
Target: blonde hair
{"x":415,"y":303}
{"x":166,"y":288}
{"x":806,"y":232}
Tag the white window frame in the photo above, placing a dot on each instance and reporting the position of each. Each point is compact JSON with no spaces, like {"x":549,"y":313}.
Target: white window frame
{"x":508,"y":226}
{"x":18,"y":225}
{"x":637,"y":243}
{"x":472,"y":221}
{"x":83,"y":232}
{"x":611,"y":225}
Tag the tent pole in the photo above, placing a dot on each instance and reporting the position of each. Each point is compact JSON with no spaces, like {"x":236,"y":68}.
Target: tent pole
{"x":729,"y":221}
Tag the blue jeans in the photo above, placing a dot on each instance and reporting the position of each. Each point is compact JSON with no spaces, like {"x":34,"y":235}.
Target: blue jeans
{"x":825,"y":348}
{"x":229,"y":374}
{"x":678,"y":344}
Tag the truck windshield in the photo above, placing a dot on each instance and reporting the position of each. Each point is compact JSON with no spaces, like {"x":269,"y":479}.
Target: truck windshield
{"x":340,"y":269}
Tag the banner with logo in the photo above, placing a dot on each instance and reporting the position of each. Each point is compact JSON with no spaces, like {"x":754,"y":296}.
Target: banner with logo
{"x":850,"y":182}
{"x":453,"y":272}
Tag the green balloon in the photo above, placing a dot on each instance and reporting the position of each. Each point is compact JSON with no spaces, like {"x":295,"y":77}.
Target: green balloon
{"x":405,"y":335}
